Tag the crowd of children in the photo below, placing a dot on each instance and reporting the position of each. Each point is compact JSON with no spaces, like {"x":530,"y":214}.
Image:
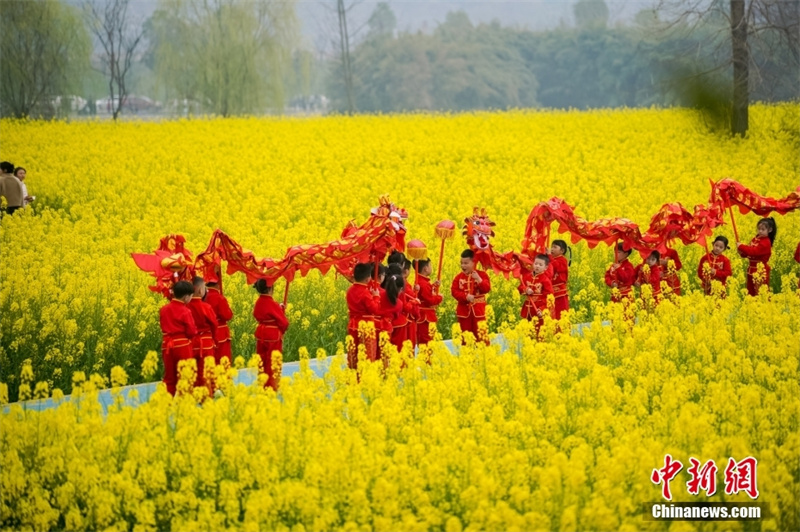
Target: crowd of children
{"x":382,"y":299}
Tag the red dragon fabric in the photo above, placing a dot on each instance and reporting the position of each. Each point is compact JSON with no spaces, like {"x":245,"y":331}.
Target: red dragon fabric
{"x":383,"y":232}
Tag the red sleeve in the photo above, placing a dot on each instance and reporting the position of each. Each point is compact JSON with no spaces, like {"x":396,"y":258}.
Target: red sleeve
{"x":280,"y":318}
{"x":485,"y":286}
{"x":547,"y":286}
{"x":372,"y":303}
{"x":724,"y":272}
{"x":224,"y":309}
{"x":626,"y":275}
{"x":523,"y":283}
{"x":703,"y":260}
{"x":610,"y":277}
{"x":637,"y":274}
{"x":760,"y":251}
{"x":189,"y":326}
{"x":211,"y":318}
{"x":673,"y":256}
{"x":427,"y":297}
{"x":259,"y":311}
{"x":458,"y":294}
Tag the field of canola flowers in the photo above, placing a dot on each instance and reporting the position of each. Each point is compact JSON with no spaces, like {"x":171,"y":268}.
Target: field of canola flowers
{"x":73,"y":300}
{"x":560,"y":435}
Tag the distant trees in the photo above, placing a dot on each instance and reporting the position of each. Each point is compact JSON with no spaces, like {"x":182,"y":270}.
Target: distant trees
{"x":229,"y":56}
{"x":119,"y":38}
{"x":756,"y":38}
{"x":44,"y":50}
{"x":458,"y":67}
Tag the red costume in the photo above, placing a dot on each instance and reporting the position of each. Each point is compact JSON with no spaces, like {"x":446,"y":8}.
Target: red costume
{"x":560,"y":278}
{"x":428,"y":301}
{"x":204,"y":344}
{"x":471,"y":314}
{"x":362,"y":306}
{"x":389,"y":315}
{"x":759,"y":251}
{"x":272,"y":324}
{"x":623,"y":274}
{"x":722,"y":270}
{"x":222,"y":310}
{"x":653,"y":278}
{"x":542,"y":286}
{"x":411,"y":312}
{"x":672,"y":279}
{"x":177,"y":326}
{"x":797,"y":259}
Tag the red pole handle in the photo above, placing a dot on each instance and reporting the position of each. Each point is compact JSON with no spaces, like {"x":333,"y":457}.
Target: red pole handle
{"x":286,"y":293}
{"x":733,"y":223}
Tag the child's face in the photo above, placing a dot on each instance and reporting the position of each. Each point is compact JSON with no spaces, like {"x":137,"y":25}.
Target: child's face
{"x":539,"y":266}
{"x":652,"y":260}
{"x":763,"y":230}
{"x":381,"y":277}
{"x":186,"y":298}
{"x":556,"y":251}
{"x":200,"y":290}
{"x":466,"y":264}
{"x":406,"y":273}
{"x":719,"y":248}
{"x":621,"y":255}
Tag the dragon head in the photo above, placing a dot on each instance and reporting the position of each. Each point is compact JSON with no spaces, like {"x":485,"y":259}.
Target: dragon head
{"x":478,"y":229}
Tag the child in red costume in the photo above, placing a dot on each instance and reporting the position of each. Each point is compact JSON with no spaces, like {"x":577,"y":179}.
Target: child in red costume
{"x":272,"y":325}
{"x":719,"y":266}
{"x":206,"y":321}
{"x":758,"y":252}
{"x":363,"y":305}
{"x":621,"y":275}
{"x":428,"y":301}
{"x":560,"y":266}
{"x":178,"y":330}
{"x":469,"y":289}
{"x":222,"y":310}
{"x":536,"y":286}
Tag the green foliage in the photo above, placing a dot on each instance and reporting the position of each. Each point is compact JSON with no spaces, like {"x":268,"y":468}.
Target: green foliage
{"x":227,"y":57}
{"x":45,"y":50}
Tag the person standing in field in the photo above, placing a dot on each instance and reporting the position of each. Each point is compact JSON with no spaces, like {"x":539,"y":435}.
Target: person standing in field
{"x":178,"y":330}
{"x":560,"y":265}
{"x":620,"y":275}
{"x":272,"y":325}
{"x":469,"y":289}
{"x":11,"y":188}
{"x":363,"y":306}
{"x":758,"y":252}
{"x":428,"y":301}
{"x":669,"y":272}
{"x":20,"y":174}
{"x":222,"y":310}
{"x":715,"y":266}
{"x":206,"y":323}
{"x":410,"y":304}
{"x":649,"y":272}
{"x":535,"y":287}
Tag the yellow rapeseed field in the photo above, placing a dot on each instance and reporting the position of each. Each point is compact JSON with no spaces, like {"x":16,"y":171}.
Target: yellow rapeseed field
{"x":559,"y":435}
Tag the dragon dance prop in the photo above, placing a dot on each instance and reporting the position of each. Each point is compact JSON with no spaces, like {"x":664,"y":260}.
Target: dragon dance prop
{"x":672,"y":221}
{"x":478,"y":230}
{"x":383,"y":232}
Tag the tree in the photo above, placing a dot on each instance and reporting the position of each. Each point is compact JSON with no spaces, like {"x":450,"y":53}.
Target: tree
{"x":119,"y":37}
{"x":228,"y":56}
{"x":382,"y":22}
{"x":44,"y":49}
{"x":766,"y":28}
{"x":590,"y":14}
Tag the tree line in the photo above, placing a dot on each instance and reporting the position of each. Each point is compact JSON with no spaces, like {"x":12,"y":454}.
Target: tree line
{"x":232,"y":57}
